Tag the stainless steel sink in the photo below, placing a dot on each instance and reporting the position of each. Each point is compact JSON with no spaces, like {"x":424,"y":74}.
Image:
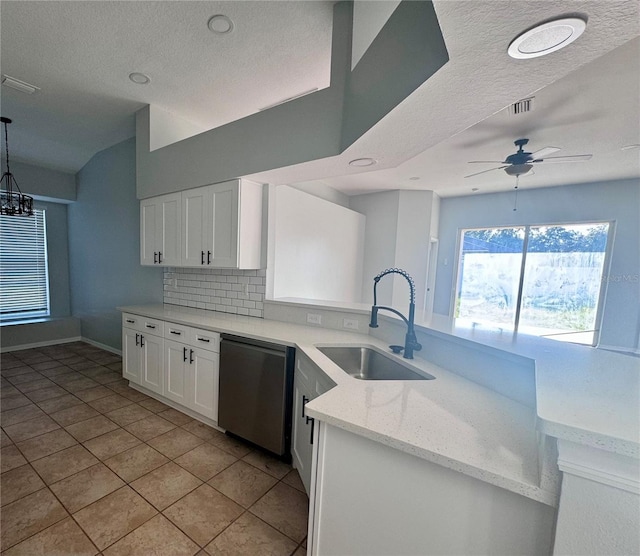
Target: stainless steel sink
{"x":368,"y":364}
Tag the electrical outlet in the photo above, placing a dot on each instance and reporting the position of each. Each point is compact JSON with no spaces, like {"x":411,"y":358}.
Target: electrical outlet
{"x":350,"y":324}
{"x":314,"y":318}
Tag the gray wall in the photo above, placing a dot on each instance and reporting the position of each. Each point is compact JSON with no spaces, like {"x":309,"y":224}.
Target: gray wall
{"x":617,"y":201}
{"x":44,"y":183}
{"x":104,"y":245}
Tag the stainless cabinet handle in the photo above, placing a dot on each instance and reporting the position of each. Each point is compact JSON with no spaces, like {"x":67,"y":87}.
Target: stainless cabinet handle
{"x":184,"y":353}
{"x":176,"y":332}
{"x":190,"y":356}
{"x":304,"y":402}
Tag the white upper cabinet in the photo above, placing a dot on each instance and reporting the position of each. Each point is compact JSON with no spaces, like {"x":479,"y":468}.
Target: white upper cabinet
{"x":218,"y":226}
{"x":160,"y":230}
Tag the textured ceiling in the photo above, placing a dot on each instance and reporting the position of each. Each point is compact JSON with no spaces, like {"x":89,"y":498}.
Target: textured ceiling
{"x":80,"y":54}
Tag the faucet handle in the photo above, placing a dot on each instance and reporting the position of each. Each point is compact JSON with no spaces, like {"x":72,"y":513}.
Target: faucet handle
{"x":417,"y":346}
{"x":396,"y":349}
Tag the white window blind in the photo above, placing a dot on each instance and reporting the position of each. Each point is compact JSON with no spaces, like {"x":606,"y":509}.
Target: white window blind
{"x":24,"y":282}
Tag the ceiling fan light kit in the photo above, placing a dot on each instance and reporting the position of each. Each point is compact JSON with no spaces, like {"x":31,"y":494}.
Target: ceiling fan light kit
{"x":521,"y":162}
{"x":546,"y":38}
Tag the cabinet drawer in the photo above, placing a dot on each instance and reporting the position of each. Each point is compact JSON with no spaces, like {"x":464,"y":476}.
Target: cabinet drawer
{"x":177,"y":332}
{"x":204,"y":339}
{"x":152,"y":326}
{"x":131,"y":321}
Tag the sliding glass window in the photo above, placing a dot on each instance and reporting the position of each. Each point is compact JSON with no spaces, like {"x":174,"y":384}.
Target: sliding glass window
{"x":538,"y":280}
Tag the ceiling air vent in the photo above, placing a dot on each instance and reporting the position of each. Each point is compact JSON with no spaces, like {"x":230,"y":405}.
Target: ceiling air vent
{"x":522,"y":106}
{"x":18,"y":85}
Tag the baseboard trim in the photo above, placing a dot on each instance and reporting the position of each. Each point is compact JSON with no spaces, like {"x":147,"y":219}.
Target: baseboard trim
{"x":102,"y":346}
{"x":41,"y":344}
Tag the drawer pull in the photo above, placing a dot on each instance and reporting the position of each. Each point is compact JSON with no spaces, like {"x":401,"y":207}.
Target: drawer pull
{"x":152,"y":326}
{"x":204,"y":340}
{"x":176,"y":332}
{"x":131,"y":321}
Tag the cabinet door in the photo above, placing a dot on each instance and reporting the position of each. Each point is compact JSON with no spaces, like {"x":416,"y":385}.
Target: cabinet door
{"x":169,"y":230}
{"x":131,"y":355}
{"x":224,"y":224}
{"x":204,"y":376}
{"x":301,"y":447}
{"x":149,"y":221}
{"x":195,"y":212}
{"x":177,"y":381}
{"x":152,"y":363}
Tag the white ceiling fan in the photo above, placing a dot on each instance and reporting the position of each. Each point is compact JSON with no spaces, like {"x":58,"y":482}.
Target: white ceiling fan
{"x":522,"y":162}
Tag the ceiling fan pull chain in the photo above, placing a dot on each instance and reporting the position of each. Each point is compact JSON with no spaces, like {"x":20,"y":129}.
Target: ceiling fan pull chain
{"x":515,"y":202}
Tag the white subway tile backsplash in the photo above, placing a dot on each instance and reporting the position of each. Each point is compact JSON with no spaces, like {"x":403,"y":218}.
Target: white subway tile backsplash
{"x":226,"y":290}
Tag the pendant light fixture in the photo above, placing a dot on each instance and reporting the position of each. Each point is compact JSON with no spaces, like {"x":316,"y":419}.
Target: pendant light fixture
{"x":12,"y":201}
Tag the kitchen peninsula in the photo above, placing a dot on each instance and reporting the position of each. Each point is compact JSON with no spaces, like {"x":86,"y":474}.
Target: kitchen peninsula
{"x":457,"y":427}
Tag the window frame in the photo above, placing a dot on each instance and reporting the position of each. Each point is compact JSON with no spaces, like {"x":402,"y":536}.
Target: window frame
{"x":20,"y":316}
{"x":527,"y":227}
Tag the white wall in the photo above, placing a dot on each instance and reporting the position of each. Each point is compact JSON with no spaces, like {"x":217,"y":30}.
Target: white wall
{"x":617,"y":201}
{"x":317,"y":248}
{"x":166,"y":128}
{"x":399,"y":227}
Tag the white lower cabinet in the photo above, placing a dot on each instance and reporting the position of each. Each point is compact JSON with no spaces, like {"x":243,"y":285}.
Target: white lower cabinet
{"x":182,"y":366}
{"x":143,"y":359}
{"x":308,"y":383}
{"x":205,"y":377}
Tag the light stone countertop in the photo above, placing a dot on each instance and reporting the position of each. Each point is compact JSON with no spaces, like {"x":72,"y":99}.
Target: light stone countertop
{"x":449,"y":421}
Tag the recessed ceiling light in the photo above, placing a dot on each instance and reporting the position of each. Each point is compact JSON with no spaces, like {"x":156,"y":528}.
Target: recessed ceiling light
{"x":220,"y":24}
{"x":139,"y":78}
{"x":474,"y":189}
{"x":546,"y":38}
{"x":363,"y":162}
{"x":629,"y":147}
{"x":414,"y":178}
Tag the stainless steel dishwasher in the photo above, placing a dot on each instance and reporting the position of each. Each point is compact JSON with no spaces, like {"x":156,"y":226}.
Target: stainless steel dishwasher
{"x":256,"y":384}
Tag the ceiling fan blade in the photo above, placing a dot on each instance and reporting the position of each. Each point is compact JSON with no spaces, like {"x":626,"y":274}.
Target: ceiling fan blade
{"x":574,"y":158}
{"x":486,"y":162}
{"x":485,"y":171}
{"x":544,"y":152}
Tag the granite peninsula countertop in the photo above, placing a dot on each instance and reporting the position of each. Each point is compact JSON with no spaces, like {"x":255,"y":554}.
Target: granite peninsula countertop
{"x":452,"y":421}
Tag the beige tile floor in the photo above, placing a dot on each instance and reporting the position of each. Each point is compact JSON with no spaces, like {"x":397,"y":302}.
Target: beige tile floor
{"x":91,"y":466}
